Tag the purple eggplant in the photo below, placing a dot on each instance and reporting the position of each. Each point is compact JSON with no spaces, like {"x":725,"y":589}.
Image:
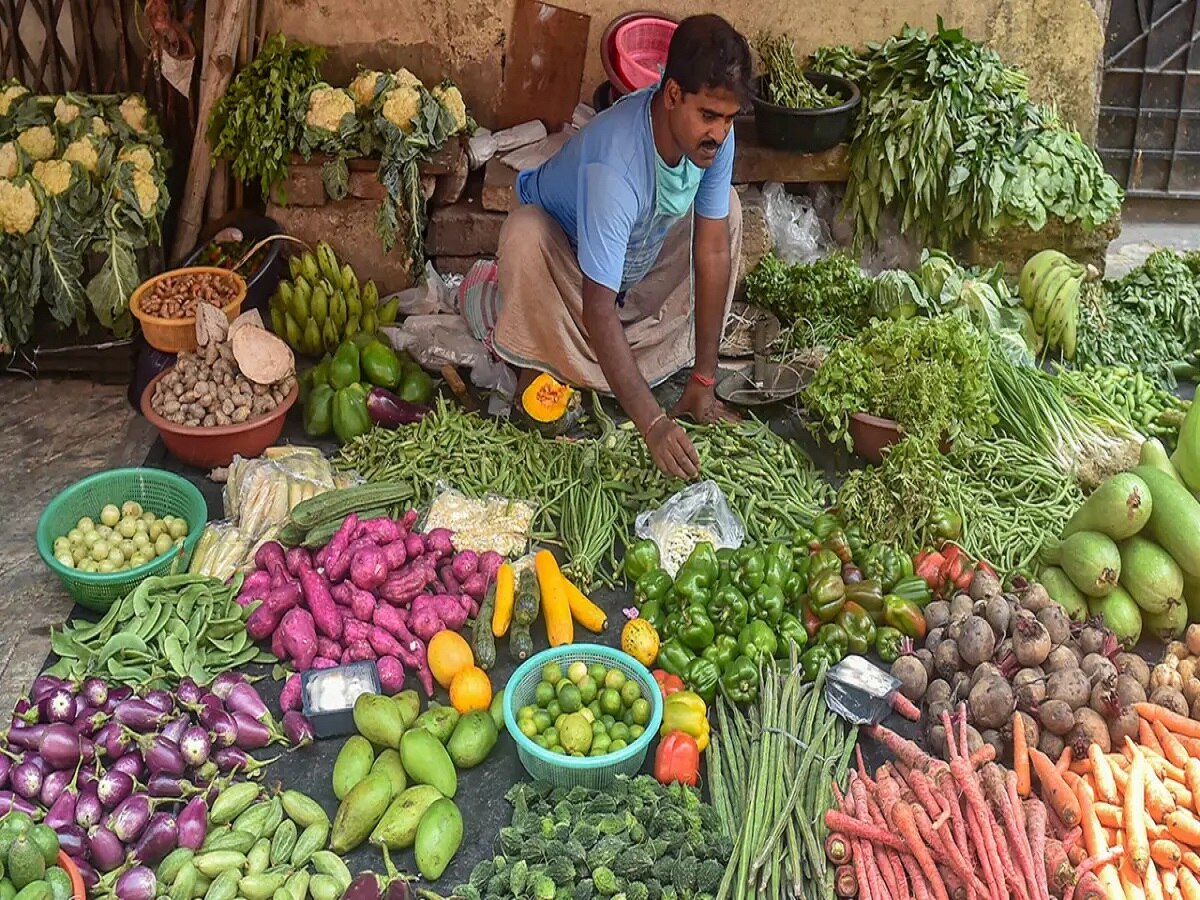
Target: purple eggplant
{"x":163,"y":757}
{"x":140,"y":716}
{"x":95,"y":691}
{"x":160,"y":699}
{"x":114,"y":787}
{"x":61,"y":746}
{"x":55,"y":784}
{"x":10,"y":801}
{"x":86,"y":778}
{"x":114,"y":740}
{"x":35,"y":760}
{"x":137,"y":883}
{"x":195,"y":746}
{"x":117,"y":695}
{"x":168,"y":786}
{"x":72,"y":839}
{"x":367,"y":886}
{"x":160,"y":838}
{"x":243,"y":698}
{"x":27,"y":737}
{"x":399,"y":889}
{"x":57,"y":706}
{"x":20,"y":710}
{"x":211,"y":701}
{"x":188,"y":692}
{"x":90,"y":876}
{"x":131,"y":764}
{"x":224,"y":684}
{"x":297,"y":728}
{"x":5,"y":767}
{"x":389,"y":411}
{"x":230,"y":759}
{"x":61,"y":812}
{"x":174,"y":729}
{"x":27,"y":780}
{"x":89,"y":721}
{"x":224,"y":729}
{"x":193,"y":824}
{"x":251,"y":733}
{"x":45,"y":685}
{"x":128,"y":820}
{"x":105,"y":848}
{"x":88,"y":808}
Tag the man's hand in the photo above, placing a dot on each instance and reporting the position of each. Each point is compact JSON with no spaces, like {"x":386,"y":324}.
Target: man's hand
{"x":672,"y":449}
{"x":701,"y":404}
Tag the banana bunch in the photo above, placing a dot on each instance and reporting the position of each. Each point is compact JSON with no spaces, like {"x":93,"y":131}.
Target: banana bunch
{"x":323,"y":304}
{"x":1049,"y":288}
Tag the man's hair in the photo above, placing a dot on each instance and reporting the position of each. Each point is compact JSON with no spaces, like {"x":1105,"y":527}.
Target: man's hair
{"x":708,"y":52}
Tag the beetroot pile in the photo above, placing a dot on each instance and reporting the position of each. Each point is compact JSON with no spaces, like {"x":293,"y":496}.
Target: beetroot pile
{"x":118,"y":774}
{"x":377,"y":591}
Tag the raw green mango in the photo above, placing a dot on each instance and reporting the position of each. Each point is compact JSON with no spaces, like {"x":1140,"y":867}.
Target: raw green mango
{"x":25,"y":863}
{"x":1154,"y":454}
{"x":1091,"y":560}
{"x":438,"y":720}
{"x":1120,"y":614}
{"x":1119,"y":508}
{"x":398,"y":828}
{"x":377,"y":718}
{"x":359,"y":812}
{"x":427,"y":762}
{"x":409,"y":704}
{"x":438,"y":838}
{"x":352,"y":765}
{"x":388,"y":762}
{"x":473,"y":739}
{"x":1153,"y":579}
{"x":496,"y":710}
{"x":1064,"y":593}
{"x":7,"y":891}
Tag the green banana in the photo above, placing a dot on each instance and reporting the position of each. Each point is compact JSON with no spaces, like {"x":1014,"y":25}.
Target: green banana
{"x":312,"y":339}
{"x":308,"y":265}
{"x":1053,"y":281}
{"x":293,"y":333}
{"x":330,"y":335}
{"x":278,"y":324}
{"x":354,"y":307}
{"x":327,"y":262}
{"x":387,"y":312}
{"x":349,"y":279}
{"x":369,"y":322}
{"x":370,"y":295}
{"x":318,"y":307}
{"x":294,"y":267}
{"x":284,"y":293}
{"x":1064,"y":308}
{"x":338,"y":312}
{"x":301,"y":297}
{"x":1034,"y":271}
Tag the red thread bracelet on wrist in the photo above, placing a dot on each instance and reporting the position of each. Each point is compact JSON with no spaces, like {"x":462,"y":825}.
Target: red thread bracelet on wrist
{"x":703,"y":380}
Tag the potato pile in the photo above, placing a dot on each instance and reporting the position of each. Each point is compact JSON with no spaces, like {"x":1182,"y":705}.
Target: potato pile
{"x":1004,"y":652}
{"x":1175,"y":682}
{"x":177,"y":296}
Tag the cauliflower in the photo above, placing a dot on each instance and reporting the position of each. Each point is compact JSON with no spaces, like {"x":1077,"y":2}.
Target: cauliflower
{"x":9,"y":94}
{"x":65,"y":111}
{"x":139,"y":155}
{"x":83,"y":151}
{"x":100,"y":127}
{"x":133,"y":111}
{"x":400,"y":106}
{"x":327,"y":107}
{"x":147,"y":191}
{"x":18,"y":207}
{"x":54,"y":175}
{"x":405,"y":78}
{"x":449,"y":96}
{"x":10,"y":164}
{"x":38,"y":142}
{"x":364,"y":86}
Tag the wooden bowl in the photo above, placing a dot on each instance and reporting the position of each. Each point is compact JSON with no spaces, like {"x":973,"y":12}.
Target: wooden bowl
{"x":179,"y":335}
{"x":207,"y":448}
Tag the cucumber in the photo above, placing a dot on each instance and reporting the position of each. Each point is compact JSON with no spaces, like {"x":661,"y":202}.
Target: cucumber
{"x":1153,"y":579}
{"x":1064,"y":593}
{"x":1174,"y":519}
{"x":1154,"y":454}
{"x":1119,"y":508}
{"x":1091,"y":560}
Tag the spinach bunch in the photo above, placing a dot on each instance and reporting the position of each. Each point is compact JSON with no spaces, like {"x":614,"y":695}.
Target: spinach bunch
{"x":817,"y":302}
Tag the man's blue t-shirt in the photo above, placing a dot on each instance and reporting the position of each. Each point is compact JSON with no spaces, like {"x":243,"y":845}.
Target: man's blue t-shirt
{"x":599,"y":187}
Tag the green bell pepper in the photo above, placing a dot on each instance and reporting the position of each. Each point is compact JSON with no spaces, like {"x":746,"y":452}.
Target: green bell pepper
{"x":749,"y":569}
{"x":854,"y":539}
{"x":824,"y":524}
{"x":860,"y":630}
{"x":722,"y":651}
{"x":698,"y":575}
{"x":823,"y":561}
{"x":793,"y":590}
{"x":904,"y":615}
{"x":885,"y":564}
{"x":674,"y":658}
{"x":914,"y":588}
{"x":652,"y":612}
{"x":813,"y":660}
{"x":790,"y":630}
{"x":834,"y":639}
{"x":778,"y":560}
{"x":869,"y":595}
{"x":826,"y":594}
{"x":380,"y":365}
{"x":345,"y":370}
{"x":703,"y":677}
{"x":757,"y":640}
{"x":887,"y":643}
{"x":655,"y":584}
{"x":318,"y":411}
{"x":728,"y":610}
{"x":767,"y":604}
{"x":696,"y":629}
{"x":740,"y":680}
{"x":804,"y":545}
{"x":946,"y":524}
{"x":350,"y":416}
{"x":641,"y":558}
{"x":320,"y":372}
{"x":724,"y":563}
{"x":415,"y":385}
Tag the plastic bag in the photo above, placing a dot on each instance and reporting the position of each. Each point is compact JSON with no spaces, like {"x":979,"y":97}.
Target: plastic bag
{"x":220,"y":552}
{"x":481,"y":524}
{"x":430,"y":297}
{"x":261,"y":491}
{"x":696,"y":514}
{"x":797,"y":232}
{"x":859,"y":691}
{"x":435,"y":341}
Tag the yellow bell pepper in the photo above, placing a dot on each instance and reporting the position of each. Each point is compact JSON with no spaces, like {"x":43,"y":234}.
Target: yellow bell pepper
{"x":685,"y":711}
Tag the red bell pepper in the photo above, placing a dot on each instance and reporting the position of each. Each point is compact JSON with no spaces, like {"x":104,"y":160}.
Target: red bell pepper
{"x":668,"y":684}
{"x":929,"y":564}
{"x":677,"y":759}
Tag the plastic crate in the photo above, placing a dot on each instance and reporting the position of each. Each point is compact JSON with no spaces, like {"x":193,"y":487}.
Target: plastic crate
{"x":579,"y":771}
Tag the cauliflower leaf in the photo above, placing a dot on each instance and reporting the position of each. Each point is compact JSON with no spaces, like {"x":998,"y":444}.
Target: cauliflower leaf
{"x":331,"y":125}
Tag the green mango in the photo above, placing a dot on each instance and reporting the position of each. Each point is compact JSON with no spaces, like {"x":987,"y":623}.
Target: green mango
{"x":438,"y":838}
{"x":438,"y":720}
{"x":409,"y":703}
{"x":360,"y":812}
{"x":398,"y":828}
{"x":352,"y":765}
{"x":377,"y":718}
{"x":388,"y":762}
{"x":427,"y":762}
{"x":473,"y":739}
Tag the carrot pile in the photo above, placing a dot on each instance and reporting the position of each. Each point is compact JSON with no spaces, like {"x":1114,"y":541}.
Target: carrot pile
{"x":926,"y":829}
{"x":1139,"y":810}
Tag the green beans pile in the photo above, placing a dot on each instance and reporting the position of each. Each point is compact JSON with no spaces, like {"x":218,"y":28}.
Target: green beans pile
{"x":1139,"y":400}
{"x":768,"y":774}
{"x":588,"y":492}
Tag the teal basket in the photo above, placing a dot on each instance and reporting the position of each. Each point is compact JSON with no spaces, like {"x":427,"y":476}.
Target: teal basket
{"x":579,"y":771}
{"x":163,"y":493}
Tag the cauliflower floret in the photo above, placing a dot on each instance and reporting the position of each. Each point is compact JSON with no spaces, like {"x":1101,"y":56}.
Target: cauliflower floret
{"x":364,"y":85}
{"x":18,"y":207}
{"x":449,"y":96}
{"x":139,"y":155}
{"x":147,"y":191}
{"x":83,"y":151}
{"x":38,"y":142}
{"x":54,"y":175}
{"x":9,"y":94}
{"x":400,"y":106}
{"x":327,"y":107}
{"x":65,"y":111}
{"x":100,"y":127}
{"x":9,"y":163}
{"x":133,"y":111}
{"x":405,"y":78}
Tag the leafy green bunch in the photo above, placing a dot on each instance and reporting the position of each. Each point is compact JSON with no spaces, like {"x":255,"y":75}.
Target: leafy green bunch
{"x":819,"y":301}
{"x":785,"y":80}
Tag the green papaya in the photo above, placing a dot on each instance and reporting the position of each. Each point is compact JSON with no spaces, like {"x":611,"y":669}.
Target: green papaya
{"x":318,"y":411}
{"x":345,"y":369}
{"x":416,"y":386}
{"x":1152,"y":578}
{"x":427,"y":762}
{"x":1119,"y":508}
{"x":380,"y":365}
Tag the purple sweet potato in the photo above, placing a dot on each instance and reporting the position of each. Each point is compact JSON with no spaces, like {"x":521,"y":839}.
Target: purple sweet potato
{"x":362,"y":605}
{"x":414,"y":545}
{"x":355,"y":631}
{"x":325,"y":662}
{"x":476,"y":586}
{"x":411,"y":650}
{"x":328,"y":648}
{"x":388,"y":618}
{"x":299,"y":637}
{"x":450,"y":582}
{"x":440,"y":542}
{"x":255,"y":587}
{"x":465,"y":564}
{"x":489,"y":564}
{"x":297,"y":560}
{"x":383,"y":643}
{"x":345,"y":659}
{"x":337,"y":568}
{"x":289,"y":697}
{"x":320,"y":603}
{"x":360,"y":651}
{"x":425,"y":619}
{"x":369,"y":568}
{"x":395,"y":554}
{"x":269,"y":556}
{"x":380,"y":531}
{"x":391,"y":674}
{"x":265,"y":619}
{"x":401,"y":587}
{"x":342,"y":593}
{"x":277,"y":644}
{"x":408,"y":520}
{"x":331,"y":552}
{"x":469,"y":604}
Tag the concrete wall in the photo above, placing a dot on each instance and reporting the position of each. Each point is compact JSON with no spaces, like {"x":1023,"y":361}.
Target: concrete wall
{"x":1059,"y":42}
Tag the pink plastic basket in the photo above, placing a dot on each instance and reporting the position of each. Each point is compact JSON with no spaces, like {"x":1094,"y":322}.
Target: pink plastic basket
{"x":640,"y":47}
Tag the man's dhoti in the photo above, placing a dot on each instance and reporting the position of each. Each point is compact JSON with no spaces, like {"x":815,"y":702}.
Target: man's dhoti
{"x":540,"y":318}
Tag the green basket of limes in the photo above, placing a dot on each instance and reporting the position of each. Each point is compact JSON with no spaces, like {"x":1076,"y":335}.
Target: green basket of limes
{"x":581,"y":714}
